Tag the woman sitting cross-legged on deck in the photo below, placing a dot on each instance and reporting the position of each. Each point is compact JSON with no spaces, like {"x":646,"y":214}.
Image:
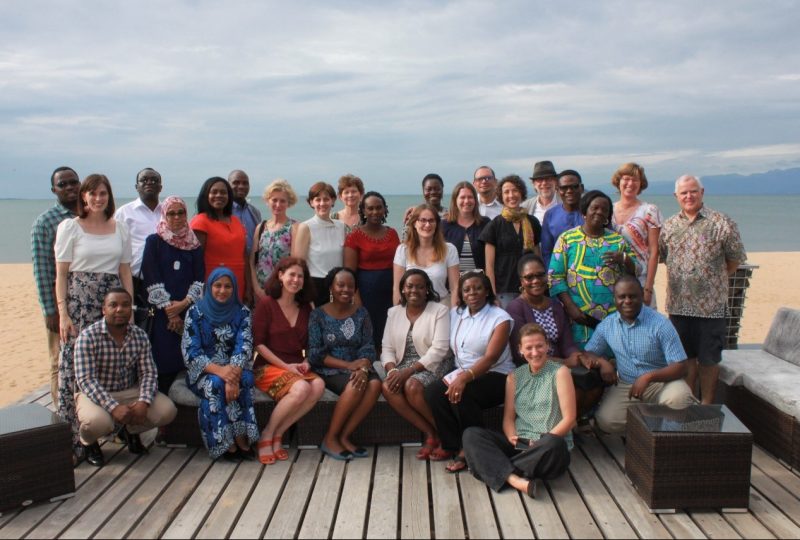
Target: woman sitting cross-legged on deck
{"x":341,"y":350}
{"x":538,"y":417}
{"x":415,"y":353}
{"x":479,"y":333}
{"x":280,"y":335}
{"x":217,"y":349}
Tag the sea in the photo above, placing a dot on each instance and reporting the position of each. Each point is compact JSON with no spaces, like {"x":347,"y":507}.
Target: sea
{"x":766,"y":222}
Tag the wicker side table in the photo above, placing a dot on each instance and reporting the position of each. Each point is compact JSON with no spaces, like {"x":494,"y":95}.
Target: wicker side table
{"x":698,"y":457}
{"x":35,"y":456}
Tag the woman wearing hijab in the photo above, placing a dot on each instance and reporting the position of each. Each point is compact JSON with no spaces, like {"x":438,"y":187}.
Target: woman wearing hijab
{"x":173,"y":270}
{"x":217,"y":349}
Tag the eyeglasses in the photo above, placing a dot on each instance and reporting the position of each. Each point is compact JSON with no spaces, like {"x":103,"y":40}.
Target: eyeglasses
{"x":426,"y":221}
{"x":149,"y":180}
{"x":176,"y":214}
{"x":531,"y":277}
{"x":484,"y":178}
{"x":64,"y":183}
{"x":570,"y":187}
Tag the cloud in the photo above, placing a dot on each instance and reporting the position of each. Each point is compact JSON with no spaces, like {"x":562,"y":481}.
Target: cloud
{"x":393,"y":90}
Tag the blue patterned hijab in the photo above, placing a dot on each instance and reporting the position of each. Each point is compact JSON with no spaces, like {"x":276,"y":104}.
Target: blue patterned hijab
{"x":219,"y":313}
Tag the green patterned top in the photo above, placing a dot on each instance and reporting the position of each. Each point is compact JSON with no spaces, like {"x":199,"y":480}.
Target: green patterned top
{"x":536,"y":401}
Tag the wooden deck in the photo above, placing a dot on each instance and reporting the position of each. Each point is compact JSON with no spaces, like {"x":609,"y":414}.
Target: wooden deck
{"x":180,"y":493}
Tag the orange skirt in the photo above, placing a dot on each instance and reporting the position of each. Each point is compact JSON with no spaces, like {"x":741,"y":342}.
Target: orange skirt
{"x":277,"y":382}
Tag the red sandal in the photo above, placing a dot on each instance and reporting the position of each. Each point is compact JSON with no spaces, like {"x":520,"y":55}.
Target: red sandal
{"x":280,"y":454}
{"x":440,"y":454}
{"x":266,"y":459}
{"x":431,"y":444}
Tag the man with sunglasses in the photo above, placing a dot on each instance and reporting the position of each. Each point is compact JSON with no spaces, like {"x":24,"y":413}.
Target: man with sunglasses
{"x":141,"y":216}
{"x":565,"y":216}
{"x":64,"y":183}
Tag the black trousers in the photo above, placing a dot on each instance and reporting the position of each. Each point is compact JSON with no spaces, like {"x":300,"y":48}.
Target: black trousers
{"x":452,"y":419}
{"x":492,"y":459}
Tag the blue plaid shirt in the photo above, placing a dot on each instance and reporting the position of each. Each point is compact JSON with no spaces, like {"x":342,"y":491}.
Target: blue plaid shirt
{"x":102,"y":367}
{"x":648,"y":344}
{"x":43,"y":239}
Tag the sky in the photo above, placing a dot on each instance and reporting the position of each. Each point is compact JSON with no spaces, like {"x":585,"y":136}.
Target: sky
{"x":390,"y":91}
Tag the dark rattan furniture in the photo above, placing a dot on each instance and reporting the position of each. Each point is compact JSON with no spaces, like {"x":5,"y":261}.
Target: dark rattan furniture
{"x":698,"y":457}
{"x":35,"y":456}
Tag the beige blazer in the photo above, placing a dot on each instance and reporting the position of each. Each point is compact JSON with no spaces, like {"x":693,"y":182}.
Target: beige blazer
{"x":431,"y":335}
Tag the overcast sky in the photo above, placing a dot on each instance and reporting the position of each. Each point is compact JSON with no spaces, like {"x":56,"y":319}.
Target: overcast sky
{"x":393,"y":90}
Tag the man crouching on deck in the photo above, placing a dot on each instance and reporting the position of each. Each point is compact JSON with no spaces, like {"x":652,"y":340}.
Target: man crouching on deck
{"x":117,"y":379}
{"x":650,"y":360}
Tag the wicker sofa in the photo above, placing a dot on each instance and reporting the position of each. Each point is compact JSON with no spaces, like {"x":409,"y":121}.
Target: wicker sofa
{"x":762,"y":387}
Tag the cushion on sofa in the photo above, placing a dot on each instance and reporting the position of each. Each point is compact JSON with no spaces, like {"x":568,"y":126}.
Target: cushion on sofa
{"x":783,"y":339}
{"x":776,"y":384}
{"x":736,"y":362}
{"x":179,"y":393}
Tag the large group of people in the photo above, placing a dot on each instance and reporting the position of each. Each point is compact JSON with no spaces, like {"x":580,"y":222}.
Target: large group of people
{"x":544,"y":305}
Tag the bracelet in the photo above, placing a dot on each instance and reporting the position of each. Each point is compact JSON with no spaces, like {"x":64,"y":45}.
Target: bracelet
{"x":391,"y":371}
{"x":471,"y":373}
{"x":365,"y":370}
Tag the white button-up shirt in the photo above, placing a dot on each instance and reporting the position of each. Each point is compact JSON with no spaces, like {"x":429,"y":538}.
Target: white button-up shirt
{"x":470,"y":335}
{"x":141,"y":222}
{"x":491,"y":210}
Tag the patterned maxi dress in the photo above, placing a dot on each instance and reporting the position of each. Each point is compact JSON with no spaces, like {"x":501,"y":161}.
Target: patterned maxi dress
{"x":232,"y":343}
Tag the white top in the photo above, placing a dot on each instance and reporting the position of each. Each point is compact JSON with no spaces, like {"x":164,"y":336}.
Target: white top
{"x":431,"y":335}
{"x":325,"y":246}
{"x":141,"y":223}
{"x":470,"y":334}
{"x":491,"y":210}
{"x":437,"y":271}
{"x":536,"y":208}
{"x":98,"y":253}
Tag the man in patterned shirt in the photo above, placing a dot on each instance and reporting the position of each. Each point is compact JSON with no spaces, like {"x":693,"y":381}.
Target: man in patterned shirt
{"x":117,"y":377}
{"x":701,"y":248}
{"x":649,"y":360}
{"x":65,"y":184}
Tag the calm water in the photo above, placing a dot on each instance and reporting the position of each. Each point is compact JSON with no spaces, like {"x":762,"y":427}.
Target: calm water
{"x":763,"y":220}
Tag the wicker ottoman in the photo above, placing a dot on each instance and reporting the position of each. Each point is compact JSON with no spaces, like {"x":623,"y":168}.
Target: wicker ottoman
{"x":35,"y":456}
{"x":698,"y":457}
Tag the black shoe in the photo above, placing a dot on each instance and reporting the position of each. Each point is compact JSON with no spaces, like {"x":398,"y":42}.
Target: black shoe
{"x":133,"y":442}
{"x":232,"y":457}
{"x":94,"y":456}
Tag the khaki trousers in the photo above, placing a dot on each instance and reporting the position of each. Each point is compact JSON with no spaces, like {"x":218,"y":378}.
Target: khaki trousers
{"x":612,"y":415}
{"x":53,"y":352}
{"x":95,"y":421}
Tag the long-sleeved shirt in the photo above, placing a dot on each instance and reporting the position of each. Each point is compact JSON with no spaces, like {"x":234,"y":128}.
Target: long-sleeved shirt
{"x":43,"y":238}
{"x":556,"y":221}
{"x":250,"y":217}
{"x":102,"y":366}
{"x":141,"y":223}
{"x":204,"y":344}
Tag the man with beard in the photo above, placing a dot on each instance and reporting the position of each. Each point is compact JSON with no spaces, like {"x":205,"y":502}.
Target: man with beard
{"x":544,"y":182}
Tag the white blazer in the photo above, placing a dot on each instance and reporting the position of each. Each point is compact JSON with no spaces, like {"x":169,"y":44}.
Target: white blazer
{"x":431,"y":335}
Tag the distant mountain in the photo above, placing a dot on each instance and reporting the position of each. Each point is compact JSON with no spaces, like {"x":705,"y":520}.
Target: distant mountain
{"x":777,"y":182}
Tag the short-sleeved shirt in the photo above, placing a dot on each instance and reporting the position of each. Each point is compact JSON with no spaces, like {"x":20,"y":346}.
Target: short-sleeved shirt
{"x":695,"y":253}
{"x":648,"y":344}
{"x":470,"y":335}
{"x":508,"y":244}
{"x":326,"y":245}
{"x":98,"y":253}
{"x":272,"y":329}
{"x":437,"y":271}
{"x":556,"y":221}
{"x":636,"y":231}
{"x":373,"y":253}
{"x":141,"y":223}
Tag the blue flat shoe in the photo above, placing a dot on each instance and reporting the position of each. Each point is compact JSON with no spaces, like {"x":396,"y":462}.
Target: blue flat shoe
{"x":360,"y":452}
{"x":341,"y":456}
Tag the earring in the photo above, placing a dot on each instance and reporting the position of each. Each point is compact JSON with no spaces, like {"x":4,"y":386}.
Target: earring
{"x":331,"y":298}
{"x":521,"y":289}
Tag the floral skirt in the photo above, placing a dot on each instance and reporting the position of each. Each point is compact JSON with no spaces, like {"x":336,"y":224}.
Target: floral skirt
{"x":276,"y":382}
{"x":85,"y":293}
{"x":222,"y":422}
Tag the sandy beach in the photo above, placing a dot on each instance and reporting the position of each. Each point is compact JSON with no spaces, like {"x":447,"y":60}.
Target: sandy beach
{"x":24,"y":361}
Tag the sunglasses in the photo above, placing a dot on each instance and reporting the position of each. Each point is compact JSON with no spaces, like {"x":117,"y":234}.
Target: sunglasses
{"x":176,"y":213}
{"x":64,"y":183}
{"x":570,"y":187}
{"x":531,"y":277}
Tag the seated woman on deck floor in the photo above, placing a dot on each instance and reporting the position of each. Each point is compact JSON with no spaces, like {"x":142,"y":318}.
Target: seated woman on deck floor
{"x":538,"y":417}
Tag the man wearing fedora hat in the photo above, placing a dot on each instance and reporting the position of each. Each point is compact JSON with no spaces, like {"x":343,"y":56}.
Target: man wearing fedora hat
{"x":544,"y":185}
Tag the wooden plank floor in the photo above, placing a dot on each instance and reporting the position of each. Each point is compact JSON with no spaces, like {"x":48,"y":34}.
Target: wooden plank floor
{"x":180,"y":493}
